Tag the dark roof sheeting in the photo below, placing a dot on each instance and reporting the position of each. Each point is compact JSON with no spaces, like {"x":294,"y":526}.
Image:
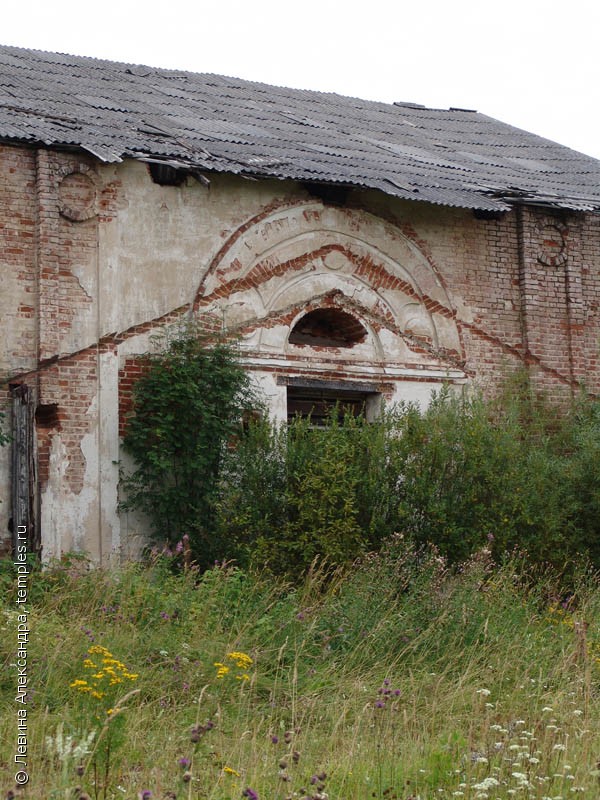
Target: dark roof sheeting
{"x":214,"y":123}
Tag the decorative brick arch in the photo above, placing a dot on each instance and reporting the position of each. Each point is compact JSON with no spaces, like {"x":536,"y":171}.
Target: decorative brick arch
{"x":286,"y":260}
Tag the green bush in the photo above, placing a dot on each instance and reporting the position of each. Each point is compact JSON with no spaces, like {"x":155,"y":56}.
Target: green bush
{"x":513,"y":472}
{"x":465,"y":472}
{"x":290,"y":494}
{"x":188,"y":404}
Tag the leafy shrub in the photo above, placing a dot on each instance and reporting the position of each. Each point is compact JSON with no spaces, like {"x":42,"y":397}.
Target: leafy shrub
{"x":512,"y":472}
{"x":290,"y":494}
{"x":463,"y":473}
{"x":188,"y":404}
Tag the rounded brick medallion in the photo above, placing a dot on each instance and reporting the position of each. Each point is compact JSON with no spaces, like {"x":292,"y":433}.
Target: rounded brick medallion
{"x":77,"y":197}
{"x":552,"y":246}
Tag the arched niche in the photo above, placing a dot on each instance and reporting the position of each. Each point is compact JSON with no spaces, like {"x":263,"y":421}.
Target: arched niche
{"x":301,"y":259}
{"x":327,"y":327}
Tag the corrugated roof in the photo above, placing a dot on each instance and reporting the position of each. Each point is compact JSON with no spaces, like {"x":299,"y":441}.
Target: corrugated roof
{"x":207,"y":122}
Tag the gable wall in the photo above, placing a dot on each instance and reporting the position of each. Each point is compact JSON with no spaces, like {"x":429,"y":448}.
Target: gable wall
{"x":94,"y":259}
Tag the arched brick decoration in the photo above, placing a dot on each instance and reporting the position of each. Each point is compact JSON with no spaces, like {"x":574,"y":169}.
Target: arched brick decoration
{"x":297,"y":258}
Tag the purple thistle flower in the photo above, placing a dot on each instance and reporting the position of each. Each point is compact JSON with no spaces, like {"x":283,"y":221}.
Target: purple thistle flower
{"x":397,"y":692}
{"x":250,"y":794}
{"x":184,"y":762}
{"x":380,"y":704}
{"x":146,"y":794}
{"x":164,"y":615}
{"x":179,"y":547}
{"x":274,"y":739}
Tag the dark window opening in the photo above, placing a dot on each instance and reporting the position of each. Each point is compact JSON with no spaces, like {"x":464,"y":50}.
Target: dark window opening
{"x":328,"y":193}
{"x":320,"y":404}
{"x":328,"y":327}
{"x":166,"y":175}
{"x":46,"y":416}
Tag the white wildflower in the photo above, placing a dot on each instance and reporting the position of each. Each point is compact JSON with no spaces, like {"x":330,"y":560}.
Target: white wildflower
{"x":65,"y":748}
{"x":486,"y":784}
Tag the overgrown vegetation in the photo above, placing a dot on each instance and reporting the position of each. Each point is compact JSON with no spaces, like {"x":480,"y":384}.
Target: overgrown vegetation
{"x":188,"y":404}
{"x":510,"y":472}
{"x":463,"y":473}
{"x":4,"y":438}
{"x":398,"y":678}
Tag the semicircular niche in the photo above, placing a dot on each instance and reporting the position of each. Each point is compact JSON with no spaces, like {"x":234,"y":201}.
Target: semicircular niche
{"x":328,"y":327}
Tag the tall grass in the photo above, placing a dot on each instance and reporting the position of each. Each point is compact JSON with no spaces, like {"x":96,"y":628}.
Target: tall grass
{"x":397,"y":677}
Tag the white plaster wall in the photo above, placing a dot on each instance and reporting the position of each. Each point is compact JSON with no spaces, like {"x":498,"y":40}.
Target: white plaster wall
{"x":70,"y":520}
{"x":155,"y":251}
{"x":152,"y":256}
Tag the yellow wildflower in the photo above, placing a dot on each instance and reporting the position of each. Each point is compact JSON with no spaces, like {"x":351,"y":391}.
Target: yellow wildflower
{"x":222,"y":670}
{"x":231,"y":771}
{"x":242,"y":660}
{"x":99,"y":650}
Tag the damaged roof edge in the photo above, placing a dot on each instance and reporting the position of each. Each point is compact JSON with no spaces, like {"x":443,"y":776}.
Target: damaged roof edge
{"x":488,"y":199}
{"x":456,"y":157}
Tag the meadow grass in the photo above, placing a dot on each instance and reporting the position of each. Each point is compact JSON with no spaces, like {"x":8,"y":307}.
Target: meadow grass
{"x":395,"y":678}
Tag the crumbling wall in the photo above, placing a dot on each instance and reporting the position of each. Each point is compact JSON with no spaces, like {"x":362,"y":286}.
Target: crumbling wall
{"x":96,"y":259}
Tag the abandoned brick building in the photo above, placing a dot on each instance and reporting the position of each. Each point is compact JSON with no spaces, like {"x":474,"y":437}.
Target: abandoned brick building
{"x":361,"y":250}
